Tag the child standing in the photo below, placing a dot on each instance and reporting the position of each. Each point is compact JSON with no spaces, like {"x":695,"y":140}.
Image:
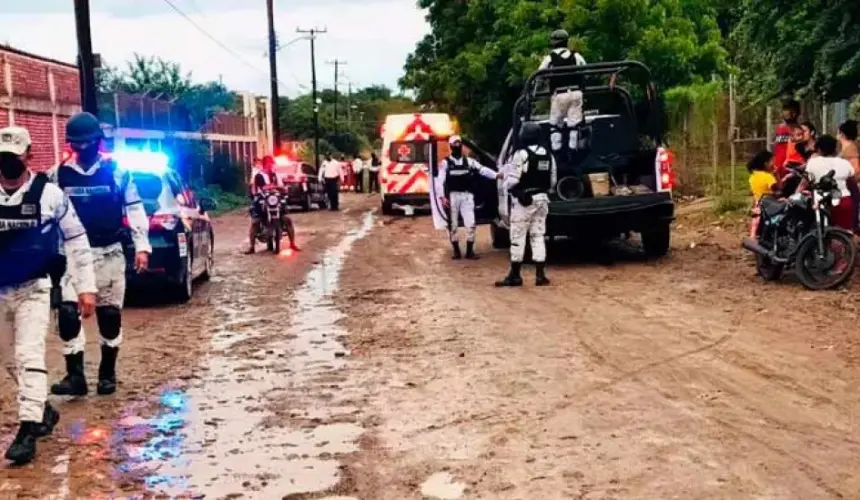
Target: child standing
{"x":762,"y":183}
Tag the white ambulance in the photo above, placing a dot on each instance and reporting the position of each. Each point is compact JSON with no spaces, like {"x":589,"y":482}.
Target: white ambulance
{"x":405,"y":175}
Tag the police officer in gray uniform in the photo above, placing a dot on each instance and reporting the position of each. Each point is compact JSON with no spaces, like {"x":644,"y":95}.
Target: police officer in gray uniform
{"x":532,"y":176}
{"x":102,"y":194}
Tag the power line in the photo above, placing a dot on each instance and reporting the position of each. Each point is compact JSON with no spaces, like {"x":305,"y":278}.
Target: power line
{"x":218,"y":42}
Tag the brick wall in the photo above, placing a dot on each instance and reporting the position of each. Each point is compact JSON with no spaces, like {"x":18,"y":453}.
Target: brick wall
{"x":39,"y":94}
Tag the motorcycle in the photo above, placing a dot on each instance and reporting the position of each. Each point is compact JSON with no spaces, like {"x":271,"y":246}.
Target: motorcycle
{"x":796,"y":232}
{"x":273,"y":207}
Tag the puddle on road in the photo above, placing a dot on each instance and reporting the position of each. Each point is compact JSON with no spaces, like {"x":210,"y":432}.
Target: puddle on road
{"x":211,"y":440}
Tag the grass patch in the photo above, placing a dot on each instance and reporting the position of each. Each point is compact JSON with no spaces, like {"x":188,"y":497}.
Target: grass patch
{"x":226,"y":201}
{"x":731,"y":203}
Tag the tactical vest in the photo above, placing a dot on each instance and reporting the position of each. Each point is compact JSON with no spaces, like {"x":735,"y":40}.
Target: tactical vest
{"x":459,"y":178}
{"x":567,"y":81}
{"x":538,"y":176}
{"x":98,"y":201}
{"x":28,"y":246}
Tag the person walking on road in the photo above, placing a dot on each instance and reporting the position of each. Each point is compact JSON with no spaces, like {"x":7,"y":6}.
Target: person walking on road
{"x":533,"y":175}
{"x":375,"y":165}
{"x":330,"y":174}
{"x":35,"y":220}
{"x":457,"y":175}
{"x":102,"y":195}
{"x":358,"y":171}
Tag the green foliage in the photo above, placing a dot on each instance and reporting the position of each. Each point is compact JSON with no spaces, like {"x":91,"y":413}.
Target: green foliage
{"x":360,"y":117}
{"x":479,"y":53}
{"x":226,"y":201}
{"x":162,"y":79}
{"x":802,"y":47}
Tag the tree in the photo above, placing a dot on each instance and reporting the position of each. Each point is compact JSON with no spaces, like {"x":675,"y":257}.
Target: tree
{"x":800,"y":47}
{"x":161,"y":79}
{"x":478,"y":54}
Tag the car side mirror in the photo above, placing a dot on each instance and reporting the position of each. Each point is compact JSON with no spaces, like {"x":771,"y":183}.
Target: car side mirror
{"x":207,"y":204}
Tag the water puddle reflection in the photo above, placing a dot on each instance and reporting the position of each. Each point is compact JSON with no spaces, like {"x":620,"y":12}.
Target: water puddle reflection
{"x":214,"y":439}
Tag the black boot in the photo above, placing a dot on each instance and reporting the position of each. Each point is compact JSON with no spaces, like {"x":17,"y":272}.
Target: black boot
{"x":513,"y":278}
{"x":74,"y":383}
{"x":540,"y":275}
{"x":50,"y":418}
{"x":470,"y":251}
{"x":107,"y":371}
{"x":457,"y":254}
{"x":23,"y":448}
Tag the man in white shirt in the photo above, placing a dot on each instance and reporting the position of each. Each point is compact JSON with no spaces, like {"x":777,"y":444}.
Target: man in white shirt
{"x":374,"y":165}
{"x":35,"y":219}
{"x":566,"y":102}
{"x":331,"y":171}
{"x":358,"y":171}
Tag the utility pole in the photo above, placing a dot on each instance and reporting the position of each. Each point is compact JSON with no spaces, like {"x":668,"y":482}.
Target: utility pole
{"x":273,"y":75}
{"x":312,"y":35}
{"x":86,"y":61}
{"x":349,"y":104}
{"x":337,"y":64}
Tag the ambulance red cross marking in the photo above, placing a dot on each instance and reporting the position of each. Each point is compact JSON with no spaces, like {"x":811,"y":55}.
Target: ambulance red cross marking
{"x":404,"y":151}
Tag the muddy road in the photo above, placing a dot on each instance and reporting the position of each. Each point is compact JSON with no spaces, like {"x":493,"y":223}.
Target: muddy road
{"x":370,"y":366}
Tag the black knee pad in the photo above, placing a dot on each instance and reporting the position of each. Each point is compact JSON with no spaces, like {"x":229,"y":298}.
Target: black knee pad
{"x":68,"y":321}
{"x":109,"y":319}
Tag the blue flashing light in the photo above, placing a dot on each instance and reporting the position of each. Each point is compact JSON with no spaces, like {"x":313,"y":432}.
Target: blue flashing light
{"x":142,"y":161}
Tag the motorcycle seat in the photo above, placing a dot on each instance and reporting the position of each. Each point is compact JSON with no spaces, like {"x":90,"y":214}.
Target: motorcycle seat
{"x":772,"y":206}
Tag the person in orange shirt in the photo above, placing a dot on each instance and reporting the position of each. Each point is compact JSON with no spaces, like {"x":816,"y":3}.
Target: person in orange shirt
{"x":790,"y":114}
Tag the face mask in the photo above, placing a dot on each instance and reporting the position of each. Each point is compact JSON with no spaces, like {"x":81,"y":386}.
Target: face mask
{"x":87,"y":153}
{"x":11,"y":166}
{"x":457,"y":150}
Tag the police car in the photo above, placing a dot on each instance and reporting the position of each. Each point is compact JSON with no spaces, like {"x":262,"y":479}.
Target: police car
{"x":180,"y":229}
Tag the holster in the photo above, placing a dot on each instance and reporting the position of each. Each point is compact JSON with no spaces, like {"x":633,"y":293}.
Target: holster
{"x":523,"y":197}
{"x":55,"y":272}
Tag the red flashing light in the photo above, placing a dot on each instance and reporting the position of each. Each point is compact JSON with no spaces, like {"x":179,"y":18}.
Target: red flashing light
{"x":667,"y":173}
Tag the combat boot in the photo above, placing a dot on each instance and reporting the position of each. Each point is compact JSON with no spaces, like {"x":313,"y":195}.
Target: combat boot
{"x":75,"y":382}
{"x":50,"y":418}
{"x":23,"y":447}
{"x":107,"y":371}
{"x":540,"y":274}
{"x":513,"y":278}
{"x":457,"y":254}
{"x":470,"y":251}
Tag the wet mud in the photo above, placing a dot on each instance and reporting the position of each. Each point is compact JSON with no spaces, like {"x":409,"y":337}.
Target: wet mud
{"x":372,"y":367}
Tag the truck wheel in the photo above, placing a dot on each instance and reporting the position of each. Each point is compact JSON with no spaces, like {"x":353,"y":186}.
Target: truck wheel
{"x":656,"y":241}
{"x":387,"y":207}
{"x":306,"y":203}
{"x":501,"y":237}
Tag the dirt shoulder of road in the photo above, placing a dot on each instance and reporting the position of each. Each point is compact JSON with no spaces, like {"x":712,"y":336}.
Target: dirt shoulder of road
{"x":163,"y":349}
{"x":686,"y":377}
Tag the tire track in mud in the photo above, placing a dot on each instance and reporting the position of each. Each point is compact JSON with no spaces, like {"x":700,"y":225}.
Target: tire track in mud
{"x":108,"y":440}
{"x":636,"y":380}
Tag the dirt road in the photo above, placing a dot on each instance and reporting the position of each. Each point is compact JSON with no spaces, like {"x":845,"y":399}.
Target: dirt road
{"x":373,"y":367}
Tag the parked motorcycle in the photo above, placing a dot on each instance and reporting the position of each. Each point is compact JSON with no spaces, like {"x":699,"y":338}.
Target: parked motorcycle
{"x":273,"y":208}
{"x":796,"y":232}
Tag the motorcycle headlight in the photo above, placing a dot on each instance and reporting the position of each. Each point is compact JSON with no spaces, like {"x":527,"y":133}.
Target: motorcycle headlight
{"x":273,"y":200}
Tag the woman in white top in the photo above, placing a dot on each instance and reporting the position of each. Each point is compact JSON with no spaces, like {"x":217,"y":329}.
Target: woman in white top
{"x":819,"y":166}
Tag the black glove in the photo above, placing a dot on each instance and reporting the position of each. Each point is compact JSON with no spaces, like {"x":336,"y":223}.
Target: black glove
{"x":56,"y":272}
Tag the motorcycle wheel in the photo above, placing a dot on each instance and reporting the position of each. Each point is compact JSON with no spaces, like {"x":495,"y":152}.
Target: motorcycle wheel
{"x":817,"y":272}
{"x":768,"y":269}
{"x":277,"y":235}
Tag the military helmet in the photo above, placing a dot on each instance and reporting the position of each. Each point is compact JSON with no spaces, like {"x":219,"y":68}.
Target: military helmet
{"x":83,"y":127}
{"x":529,"y":134}
{"x":559,"y":38}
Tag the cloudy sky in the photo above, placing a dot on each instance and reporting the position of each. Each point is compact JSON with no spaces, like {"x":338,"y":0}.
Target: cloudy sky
{"x":373,"y":36}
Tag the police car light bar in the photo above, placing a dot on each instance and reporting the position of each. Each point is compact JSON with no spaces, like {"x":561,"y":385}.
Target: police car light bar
{"x":142,"y":161}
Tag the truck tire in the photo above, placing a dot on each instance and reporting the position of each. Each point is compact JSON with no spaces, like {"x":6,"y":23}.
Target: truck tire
{"x":387,"y":208}
{"x":501,"y":237}
{"x":656,"y":242}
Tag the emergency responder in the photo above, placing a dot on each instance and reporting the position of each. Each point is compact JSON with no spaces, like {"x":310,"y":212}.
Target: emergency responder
{"x":531,"y":176}
{"x":457,"y":174}
{"x":102,"y":193}
{"x":35,"y":219}
{"x":262,"y":179}
{"x":567,"y":100}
